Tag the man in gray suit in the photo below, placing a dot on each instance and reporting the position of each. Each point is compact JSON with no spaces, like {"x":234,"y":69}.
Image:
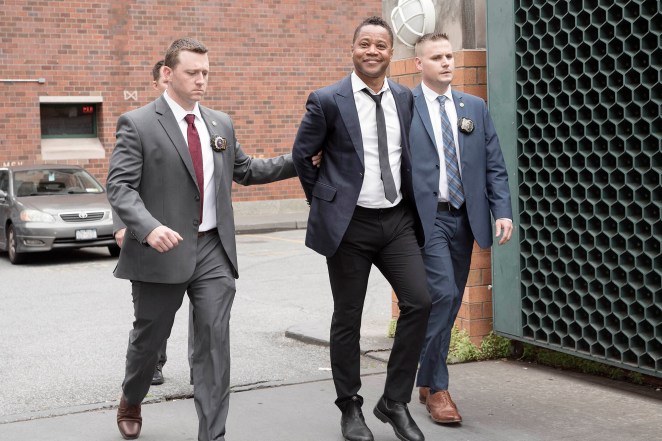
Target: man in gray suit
{"x":159,"y":84}
{"x":459,"y":177}
{"x":169,"y":181}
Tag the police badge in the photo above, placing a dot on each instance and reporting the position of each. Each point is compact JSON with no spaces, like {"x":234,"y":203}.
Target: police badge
{"x":465,"y":125}
{"x":218,"y":143}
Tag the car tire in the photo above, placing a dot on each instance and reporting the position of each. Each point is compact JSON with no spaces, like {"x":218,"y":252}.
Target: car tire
{"x":114,"y":250}
{"x":15,"y":257}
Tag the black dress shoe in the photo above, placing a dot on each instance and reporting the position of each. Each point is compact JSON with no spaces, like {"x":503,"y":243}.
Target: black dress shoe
{"x":397,"y":415}
{"x":157,"y":378}
{"x":352,"y":423}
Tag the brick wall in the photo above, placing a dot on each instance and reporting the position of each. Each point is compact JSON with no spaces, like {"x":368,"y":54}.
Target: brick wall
{"x":265,"y":57}
{"x":475,"y":314}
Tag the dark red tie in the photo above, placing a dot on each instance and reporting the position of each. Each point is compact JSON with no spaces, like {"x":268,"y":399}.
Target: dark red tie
{"x":195,"y":148}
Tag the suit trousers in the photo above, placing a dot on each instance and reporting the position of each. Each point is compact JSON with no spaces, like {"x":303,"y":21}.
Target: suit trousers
{"x":385,"y":238}
{"x":211,"y":290}
{"x":447,"y":257}
{"x":163,"y":352}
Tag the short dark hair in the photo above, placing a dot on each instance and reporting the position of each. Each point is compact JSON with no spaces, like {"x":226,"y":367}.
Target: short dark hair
{"x":183,"y":44}
{"x":431,"y":36}
{"x":375,"y":21}
{"x":156,"y":70}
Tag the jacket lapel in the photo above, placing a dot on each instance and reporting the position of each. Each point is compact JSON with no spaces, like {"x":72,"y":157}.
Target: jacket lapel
{"x":400,"y":104}
{"x":169,"y":123}
{"x":422,"y":109}
{"x":459,"y":110}
{"x":214,"y":129}
{"x":350,"y":116}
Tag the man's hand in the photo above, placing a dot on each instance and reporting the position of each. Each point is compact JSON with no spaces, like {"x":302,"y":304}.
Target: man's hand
{"x":163,"y":239}
{"x":317,"y":159}
{"x":119,"y":237}
{"x":504,"y":228}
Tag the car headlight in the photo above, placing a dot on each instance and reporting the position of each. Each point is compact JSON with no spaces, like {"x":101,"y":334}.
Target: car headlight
{"x":36,"y":216}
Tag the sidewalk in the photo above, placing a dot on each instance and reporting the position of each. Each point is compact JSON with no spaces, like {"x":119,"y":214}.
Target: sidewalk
{"x":500,"y":400}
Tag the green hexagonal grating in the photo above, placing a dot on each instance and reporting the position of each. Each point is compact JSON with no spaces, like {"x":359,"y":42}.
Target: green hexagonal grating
{"x":590,"y":170}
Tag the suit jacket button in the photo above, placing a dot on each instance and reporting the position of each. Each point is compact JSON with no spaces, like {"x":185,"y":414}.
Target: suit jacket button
{"x":434,"y":193}
{"x":197,"y":198}
{"x":196,"y":223}
{"x":361,"y":174}
{"x":437,"y":166}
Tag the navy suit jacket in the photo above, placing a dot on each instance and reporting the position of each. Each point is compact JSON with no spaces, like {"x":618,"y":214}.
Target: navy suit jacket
{"x":484,"y":174}
{"x":331,"y":124}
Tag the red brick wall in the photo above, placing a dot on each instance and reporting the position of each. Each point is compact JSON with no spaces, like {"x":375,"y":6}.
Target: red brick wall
{"x":475,"y":314}
{"x":265,"y":57}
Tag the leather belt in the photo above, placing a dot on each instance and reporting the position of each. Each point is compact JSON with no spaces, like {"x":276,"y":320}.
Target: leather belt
{"x":204,"y":233}
{"x":446,"y":206}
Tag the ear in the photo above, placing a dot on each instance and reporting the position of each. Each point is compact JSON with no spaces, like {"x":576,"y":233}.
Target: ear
{"x":418,"y":63}
{"x":166,"y":72}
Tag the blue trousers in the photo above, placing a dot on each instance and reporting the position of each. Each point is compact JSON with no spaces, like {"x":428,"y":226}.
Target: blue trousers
{"x":447,"y":258}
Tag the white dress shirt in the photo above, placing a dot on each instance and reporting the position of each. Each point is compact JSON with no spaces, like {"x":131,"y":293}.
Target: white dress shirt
{"x":435,"y":117}
{"x":209,"y":205}
{"x":372,"y":190}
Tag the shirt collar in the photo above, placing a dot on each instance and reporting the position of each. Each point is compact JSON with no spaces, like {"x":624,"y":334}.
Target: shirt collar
{"x":179,"y":111}
{"x":358,"y":85}
{"x":431,"y":95}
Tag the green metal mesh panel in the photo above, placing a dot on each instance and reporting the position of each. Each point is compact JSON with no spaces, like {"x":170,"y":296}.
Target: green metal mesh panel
{"x":590,"y":166}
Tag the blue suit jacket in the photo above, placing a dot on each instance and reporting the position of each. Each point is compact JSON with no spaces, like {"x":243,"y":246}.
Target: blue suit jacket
{"x":484,"y":174}
{"x":331,"y":123}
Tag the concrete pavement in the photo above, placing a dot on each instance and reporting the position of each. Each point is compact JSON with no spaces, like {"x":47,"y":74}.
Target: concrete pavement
{"x":499,"y":400}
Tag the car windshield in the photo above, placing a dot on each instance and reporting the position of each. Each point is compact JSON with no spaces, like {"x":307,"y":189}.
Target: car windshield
{"x":54,"y":181}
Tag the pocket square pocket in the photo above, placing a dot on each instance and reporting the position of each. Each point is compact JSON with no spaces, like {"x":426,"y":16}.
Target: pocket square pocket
{"x":324,"y":191}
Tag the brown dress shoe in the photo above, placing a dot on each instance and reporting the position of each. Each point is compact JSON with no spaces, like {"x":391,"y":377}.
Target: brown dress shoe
{"x":129,"y":420}
{"x":442,"y":408}
{"x":423,"y":393}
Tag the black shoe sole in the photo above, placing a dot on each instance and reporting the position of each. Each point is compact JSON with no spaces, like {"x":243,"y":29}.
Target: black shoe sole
{"x":384,"y":419}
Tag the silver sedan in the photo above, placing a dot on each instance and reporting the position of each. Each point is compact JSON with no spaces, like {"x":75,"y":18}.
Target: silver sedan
{"x":44,"y":207}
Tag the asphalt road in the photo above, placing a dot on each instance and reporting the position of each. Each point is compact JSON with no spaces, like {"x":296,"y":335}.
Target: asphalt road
{"x":65,"y":321}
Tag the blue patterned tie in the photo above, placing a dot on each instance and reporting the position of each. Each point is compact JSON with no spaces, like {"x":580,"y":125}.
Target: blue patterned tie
{"x":455,"y":191}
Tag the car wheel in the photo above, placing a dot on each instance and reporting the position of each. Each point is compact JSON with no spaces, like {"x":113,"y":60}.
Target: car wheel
{"x":14,"y":256}
{"x":114,"y":250}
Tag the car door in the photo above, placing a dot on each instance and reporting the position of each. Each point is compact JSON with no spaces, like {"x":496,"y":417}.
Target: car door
{"x":4,"y":206}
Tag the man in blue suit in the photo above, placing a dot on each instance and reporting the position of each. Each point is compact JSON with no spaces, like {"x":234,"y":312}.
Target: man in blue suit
{"x":459,"y":178}
{"x":362,"y":213}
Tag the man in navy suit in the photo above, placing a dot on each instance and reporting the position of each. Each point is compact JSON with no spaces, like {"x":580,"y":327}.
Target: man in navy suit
{"x":362,"y":213}
{"x":459,"y":178}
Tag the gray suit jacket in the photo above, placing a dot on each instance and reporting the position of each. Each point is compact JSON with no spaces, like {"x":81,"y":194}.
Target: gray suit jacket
{"x":151,"y":182}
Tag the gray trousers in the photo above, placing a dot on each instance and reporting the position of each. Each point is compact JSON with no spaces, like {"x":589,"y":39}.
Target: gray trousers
{"x":211,"y":290}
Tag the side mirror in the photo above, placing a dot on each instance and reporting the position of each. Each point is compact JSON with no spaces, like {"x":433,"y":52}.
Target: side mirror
{"x":3,"y":196}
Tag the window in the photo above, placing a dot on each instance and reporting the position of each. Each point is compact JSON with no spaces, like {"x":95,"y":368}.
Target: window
{"x":4,"y":181}
{"x":54,"y":181}
{"x":69,"y":127}
{"x":68,"y":120}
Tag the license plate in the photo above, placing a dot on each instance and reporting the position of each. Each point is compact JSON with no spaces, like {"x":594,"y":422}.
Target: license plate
{"x":86,"y":234}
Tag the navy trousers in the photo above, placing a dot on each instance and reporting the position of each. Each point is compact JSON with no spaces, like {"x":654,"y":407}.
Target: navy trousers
{"x":447,"y":258}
